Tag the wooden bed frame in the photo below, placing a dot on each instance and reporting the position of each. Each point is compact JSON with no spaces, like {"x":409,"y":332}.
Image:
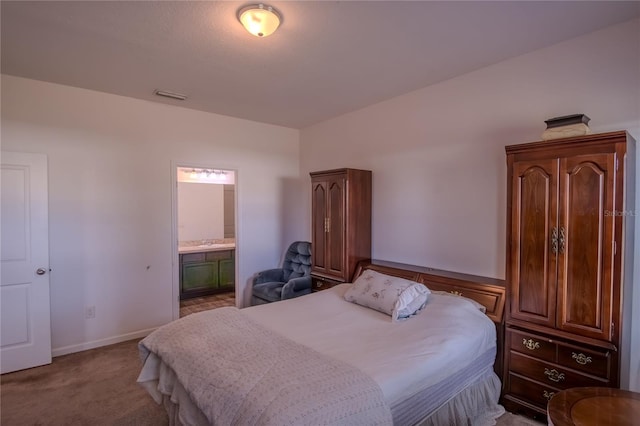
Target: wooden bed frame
{"x":489,"y":292}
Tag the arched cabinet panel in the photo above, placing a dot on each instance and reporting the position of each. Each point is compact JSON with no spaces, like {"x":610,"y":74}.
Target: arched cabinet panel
{"x":318,"y":209}
{"x":336,"y":227}
{"x":585,"y":262}
{"x":535,"y":194}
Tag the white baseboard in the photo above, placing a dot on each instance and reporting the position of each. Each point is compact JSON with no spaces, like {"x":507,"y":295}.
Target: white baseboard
{"x":102,"y":342}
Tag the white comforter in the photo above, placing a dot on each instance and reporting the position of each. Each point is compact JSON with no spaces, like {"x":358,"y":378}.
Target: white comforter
{"x":403,"y":357}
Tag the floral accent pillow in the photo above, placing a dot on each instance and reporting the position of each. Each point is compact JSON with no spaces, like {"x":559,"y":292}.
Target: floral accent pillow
{"x":393,"y":296}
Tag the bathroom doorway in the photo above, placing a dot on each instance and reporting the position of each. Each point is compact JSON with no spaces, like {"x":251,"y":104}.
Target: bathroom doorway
{"x":205,"y":254}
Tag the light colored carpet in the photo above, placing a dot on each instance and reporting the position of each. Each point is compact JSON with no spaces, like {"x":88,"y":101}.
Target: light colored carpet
{"x":95,"y":387}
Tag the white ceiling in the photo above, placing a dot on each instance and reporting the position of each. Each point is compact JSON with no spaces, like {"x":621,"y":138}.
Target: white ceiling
{"x":326,"y":59}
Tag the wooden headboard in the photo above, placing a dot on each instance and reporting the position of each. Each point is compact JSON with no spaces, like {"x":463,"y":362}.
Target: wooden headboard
{"x":490,"y":292}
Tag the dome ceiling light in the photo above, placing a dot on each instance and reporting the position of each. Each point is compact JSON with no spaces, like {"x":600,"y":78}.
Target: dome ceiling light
{"x":260,"y":20}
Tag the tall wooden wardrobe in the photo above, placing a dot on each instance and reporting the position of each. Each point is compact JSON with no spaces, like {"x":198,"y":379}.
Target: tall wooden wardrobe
{"x":341,"y":224}
{"x":569,"y":251}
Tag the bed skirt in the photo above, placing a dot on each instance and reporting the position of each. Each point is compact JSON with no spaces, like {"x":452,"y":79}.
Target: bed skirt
{"x":161,"y":383}
{"x":458,"y":400}
{"x":477,"y":405}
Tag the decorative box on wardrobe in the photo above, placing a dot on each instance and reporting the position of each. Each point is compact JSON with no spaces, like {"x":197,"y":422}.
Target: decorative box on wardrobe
{"x":569,"y":265}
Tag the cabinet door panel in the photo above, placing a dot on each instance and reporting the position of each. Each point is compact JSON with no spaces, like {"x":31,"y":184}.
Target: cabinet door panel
{"x":227,"y":273}
{"x":336,"y":235}
{"x":319,"y":215}
{"x":199,"y":276}
{"x":533,"y":261}
{"x":585,"y":258}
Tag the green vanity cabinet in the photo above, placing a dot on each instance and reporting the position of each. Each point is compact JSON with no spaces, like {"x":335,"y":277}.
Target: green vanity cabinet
{"x":227,"y":272}
{"x":204,"y":273}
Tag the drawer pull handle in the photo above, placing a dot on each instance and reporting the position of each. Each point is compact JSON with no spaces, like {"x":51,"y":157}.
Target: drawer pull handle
{"x":581,"y":358}
{"x":319,"y":284}
{"x":548,"y":395}
{"x":554,"y":375}
{"x":530,"y":344}
{"x":456,"y":292}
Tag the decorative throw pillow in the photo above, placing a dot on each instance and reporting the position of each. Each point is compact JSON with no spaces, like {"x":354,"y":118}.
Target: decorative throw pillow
{"x":393,"y":296}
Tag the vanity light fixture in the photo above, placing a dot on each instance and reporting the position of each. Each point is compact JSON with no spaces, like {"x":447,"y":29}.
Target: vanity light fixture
{"x":260,"y":20}
{"x":206,"y":173}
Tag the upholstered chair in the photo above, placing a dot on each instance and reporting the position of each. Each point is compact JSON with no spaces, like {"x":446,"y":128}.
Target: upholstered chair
{"x":292,"y":280}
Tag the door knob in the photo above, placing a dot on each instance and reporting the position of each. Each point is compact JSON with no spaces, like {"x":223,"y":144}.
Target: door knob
{"x":41,"y":271}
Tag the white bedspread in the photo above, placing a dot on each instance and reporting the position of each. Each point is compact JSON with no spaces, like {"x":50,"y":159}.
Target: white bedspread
{"x":403,"y":357}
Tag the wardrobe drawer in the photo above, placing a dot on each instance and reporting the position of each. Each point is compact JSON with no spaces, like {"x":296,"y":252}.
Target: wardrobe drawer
{"x":533,"y":392}
{"x":532,"y":345}
{"x":550,"y":374}
{"x":592,"y":362}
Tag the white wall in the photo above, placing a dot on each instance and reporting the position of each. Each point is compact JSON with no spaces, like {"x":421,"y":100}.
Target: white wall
{"x":110,"y":208}
{"x":437,"y":154}
{"x":200,"y":211}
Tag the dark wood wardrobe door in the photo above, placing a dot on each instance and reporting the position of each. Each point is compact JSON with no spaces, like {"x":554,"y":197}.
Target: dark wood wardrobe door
{"x":585,"y":261}
{"x":533,"y":247}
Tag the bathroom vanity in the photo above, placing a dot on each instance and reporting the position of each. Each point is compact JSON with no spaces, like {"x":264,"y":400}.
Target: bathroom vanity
{"x":206,"y":269}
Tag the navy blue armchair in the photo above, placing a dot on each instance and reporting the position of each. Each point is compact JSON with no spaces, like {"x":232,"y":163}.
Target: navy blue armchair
{"x":292,"y":280}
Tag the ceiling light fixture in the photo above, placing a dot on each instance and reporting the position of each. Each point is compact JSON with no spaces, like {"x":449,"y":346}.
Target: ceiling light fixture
{"x":171,"y":95}
{"x":260,"y":20}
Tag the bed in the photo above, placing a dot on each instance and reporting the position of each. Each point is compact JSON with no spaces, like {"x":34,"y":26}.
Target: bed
{"x":320,"y":359}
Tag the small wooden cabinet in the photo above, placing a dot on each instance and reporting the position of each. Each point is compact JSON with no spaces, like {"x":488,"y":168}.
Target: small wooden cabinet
{"x":341,"y":224}
{"x":205,"y":273}
{"x":565,"y":262}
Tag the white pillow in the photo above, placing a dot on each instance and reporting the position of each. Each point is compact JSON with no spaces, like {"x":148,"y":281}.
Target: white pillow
{"x":393,"y":296}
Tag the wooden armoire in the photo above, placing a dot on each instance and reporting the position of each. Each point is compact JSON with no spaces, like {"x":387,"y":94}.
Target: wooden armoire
{"x":569,"y":250}
{"x":341,"y":224}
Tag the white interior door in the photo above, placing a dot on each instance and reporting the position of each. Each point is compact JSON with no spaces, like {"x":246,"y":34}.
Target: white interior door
{"x":25,"y":339}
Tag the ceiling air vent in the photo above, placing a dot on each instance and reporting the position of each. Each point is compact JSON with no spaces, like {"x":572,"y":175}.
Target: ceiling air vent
{"x":171,"y":95}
